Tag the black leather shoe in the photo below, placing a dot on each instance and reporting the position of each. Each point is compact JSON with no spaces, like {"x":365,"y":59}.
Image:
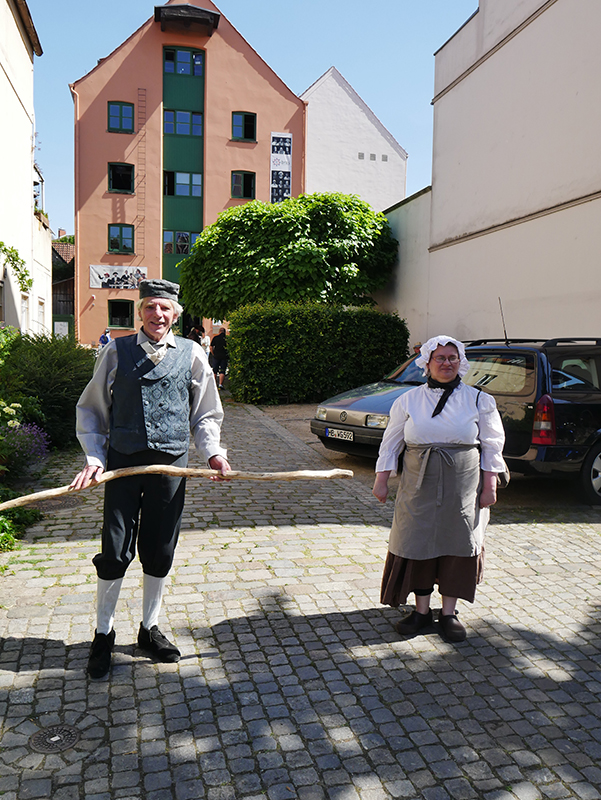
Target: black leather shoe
{"x":158,"y":645}
{"x":413,"y":623}
{"x":99,"y":661}
{"x":452,"y":629}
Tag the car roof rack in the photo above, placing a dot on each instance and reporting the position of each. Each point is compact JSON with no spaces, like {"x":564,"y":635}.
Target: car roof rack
{"x":571,"y":339}
{"x":475,"y":342}
{"x":541,"y":342}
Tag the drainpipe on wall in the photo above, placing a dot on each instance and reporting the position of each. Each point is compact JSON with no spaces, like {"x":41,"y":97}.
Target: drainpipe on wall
{"x":76,"y":220}
{"x":304,"y":150}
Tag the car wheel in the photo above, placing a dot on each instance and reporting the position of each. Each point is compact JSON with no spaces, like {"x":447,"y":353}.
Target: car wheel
{"x":590,"y":476}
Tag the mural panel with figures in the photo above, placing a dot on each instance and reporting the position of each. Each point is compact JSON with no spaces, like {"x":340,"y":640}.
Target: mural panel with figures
{"x":107,"y":277}
{"x":281,"y":166}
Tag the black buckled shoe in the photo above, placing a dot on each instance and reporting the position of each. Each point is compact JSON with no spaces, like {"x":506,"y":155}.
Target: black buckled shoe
{"x":99,"y":661}
{"x":452,"y":629}
{"x":158,"y":645}
{"x":413,"y":623}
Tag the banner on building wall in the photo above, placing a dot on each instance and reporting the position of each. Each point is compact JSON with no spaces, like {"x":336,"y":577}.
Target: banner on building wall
{"x":107,"y":277}
{"x":281,"y":166}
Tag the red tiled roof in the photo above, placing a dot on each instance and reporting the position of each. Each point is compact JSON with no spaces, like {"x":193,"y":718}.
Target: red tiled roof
{"x":65,"y":250}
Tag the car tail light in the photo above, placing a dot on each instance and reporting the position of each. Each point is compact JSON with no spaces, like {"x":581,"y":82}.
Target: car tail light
{"x":543,"y":430}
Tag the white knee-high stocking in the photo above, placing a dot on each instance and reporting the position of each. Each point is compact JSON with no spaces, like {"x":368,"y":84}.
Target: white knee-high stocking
{"x":107,"y":594}
{"x":152,"y":600}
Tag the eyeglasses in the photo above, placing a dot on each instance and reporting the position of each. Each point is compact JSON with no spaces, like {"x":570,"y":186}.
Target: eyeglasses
{"x":442,"y":359}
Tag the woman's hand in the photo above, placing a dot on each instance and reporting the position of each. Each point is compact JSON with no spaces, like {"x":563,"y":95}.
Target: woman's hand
{"x":488,"y":493}
{"x":86,"y":477}
{"x":380,"y":490}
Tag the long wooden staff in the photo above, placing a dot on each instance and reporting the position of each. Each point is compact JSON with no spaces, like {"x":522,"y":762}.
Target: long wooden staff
{"x":182,"y":472}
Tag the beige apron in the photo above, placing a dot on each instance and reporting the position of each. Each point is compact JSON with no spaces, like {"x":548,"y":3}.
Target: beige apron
{"x":436,"y":511}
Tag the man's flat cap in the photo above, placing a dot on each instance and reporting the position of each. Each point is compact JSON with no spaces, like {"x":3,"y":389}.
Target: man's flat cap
{"x":159,"y":288}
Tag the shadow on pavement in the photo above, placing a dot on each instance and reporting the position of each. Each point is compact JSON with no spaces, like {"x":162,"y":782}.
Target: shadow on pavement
{"x":274,"y":702}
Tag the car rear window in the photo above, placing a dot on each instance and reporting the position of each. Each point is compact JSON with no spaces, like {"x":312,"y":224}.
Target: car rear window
{"x":575,"y":374}
{"x":502,"y":373}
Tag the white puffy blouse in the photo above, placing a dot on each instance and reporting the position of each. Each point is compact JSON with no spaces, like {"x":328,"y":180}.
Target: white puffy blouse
{"x":469,"y":417}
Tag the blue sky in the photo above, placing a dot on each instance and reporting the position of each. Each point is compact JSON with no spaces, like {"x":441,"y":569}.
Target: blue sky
{"x":384,"y":49}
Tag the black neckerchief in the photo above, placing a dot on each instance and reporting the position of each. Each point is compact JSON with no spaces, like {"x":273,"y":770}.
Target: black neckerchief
{"x":447,"y":391}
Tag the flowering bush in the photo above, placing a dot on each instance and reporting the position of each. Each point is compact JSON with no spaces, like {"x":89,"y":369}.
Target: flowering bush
{"x":22,"y":446}
{"x":52,"y":369}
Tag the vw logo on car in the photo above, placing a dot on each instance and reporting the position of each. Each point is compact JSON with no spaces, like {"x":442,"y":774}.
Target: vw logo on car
{"x":343,"y":416}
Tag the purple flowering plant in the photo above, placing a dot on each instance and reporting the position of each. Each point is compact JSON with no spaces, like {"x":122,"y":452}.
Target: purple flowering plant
{"x":23,"y":446}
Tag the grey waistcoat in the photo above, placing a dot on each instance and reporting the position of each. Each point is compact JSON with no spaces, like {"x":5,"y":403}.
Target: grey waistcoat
{"x":151,"y":404}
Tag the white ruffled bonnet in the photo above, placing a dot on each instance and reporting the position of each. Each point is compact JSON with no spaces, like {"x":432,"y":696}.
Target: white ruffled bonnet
{"x":430,"y":346}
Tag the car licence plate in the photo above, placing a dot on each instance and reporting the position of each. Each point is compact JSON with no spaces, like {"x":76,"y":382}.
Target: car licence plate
{"x":335,"y":433}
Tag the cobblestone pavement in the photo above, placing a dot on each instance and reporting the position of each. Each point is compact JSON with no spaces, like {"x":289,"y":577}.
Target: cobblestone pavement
{"x":293,"y":682}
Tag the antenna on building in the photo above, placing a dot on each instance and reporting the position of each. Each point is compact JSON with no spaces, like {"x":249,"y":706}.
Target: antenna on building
{"x":503,"y":321}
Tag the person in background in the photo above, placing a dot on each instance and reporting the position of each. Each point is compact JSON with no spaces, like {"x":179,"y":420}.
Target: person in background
{"x":148,"y":392}
{"x":205,"y":341}
{"x":452,"y":437}
{"x":105,"y":338}
{"x":220,"y":356}
{"x":194,"y":335}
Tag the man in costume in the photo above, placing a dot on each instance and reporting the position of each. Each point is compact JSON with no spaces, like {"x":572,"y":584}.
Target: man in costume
{"x":148,"y":392}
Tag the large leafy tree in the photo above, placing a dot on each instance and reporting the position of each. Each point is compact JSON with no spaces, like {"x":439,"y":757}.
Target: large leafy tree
{"x":328,"y":247}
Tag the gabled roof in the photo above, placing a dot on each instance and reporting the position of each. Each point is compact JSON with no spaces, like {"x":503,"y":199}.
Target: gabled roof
{"x":196,"y":3}
{"x":333,"y":74}
{"x":65,"y":250}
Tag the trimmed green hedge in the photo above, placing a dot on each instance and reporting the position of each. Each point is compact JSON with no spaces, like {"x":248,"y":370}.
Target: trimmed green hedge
{"x":295,"y":353}
{"x":47,"y":373}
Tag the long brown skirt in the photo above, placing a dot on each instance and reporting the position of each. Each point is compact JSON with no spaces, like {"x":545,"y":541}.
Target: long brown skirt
{"x":456,"y":576}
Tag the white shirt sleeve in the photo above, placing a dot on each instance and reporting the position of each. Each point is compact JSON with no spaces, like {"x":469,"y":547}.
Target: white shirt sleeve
{"x":93,"y":408}
{"x":490,"y":434}
{"x":206,"y":411}
{"x":393,"y":439}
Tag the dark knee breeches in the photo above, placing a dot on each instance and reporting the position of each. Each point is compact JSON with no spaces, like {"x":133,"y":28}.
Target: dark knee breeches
{"x":143,"y":509}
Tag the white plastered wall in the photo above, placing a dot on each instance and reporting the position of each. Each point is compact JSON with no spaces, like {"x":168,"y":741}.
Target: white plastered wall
{"x":521,"y":132}
{"x":339,"y":127}
{"x":408,"y":293}
{"x":18,"y":226}
{"x":546,"y":271}
{"x":516,"y":192}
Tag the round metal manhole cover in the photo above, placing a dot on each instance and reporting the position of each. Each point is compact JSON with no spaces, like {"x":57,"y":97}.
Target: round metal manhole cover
{"x":56,"y":503}
{"x":54,"y":739}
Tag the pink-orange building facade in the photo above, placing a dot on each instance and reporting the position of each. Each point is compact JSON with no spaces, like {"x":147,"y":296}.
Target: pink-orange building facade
{"x":180,"y":122}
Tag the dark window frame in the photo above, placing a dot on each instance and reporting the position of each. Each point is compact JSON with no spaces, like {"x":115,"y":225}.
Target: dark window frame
{"x":249,"y":184}
{"x":112,"y":317}
{"x":111,"y":188}
{"x":196,"y":61}
{"x":170,"y":183}
{"x":249,"y":119}
{"x":120,"y":128}
{"x":178,"y":248}
{"x":195,"y":121}
{"x":120,"y":248}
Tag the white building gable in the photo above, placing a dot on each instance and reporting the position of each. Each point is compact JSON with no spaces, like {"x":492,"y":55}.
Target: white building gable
{"x":348,"y":148}
{"x":20,"y":228}
{"x":515,"y":206}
